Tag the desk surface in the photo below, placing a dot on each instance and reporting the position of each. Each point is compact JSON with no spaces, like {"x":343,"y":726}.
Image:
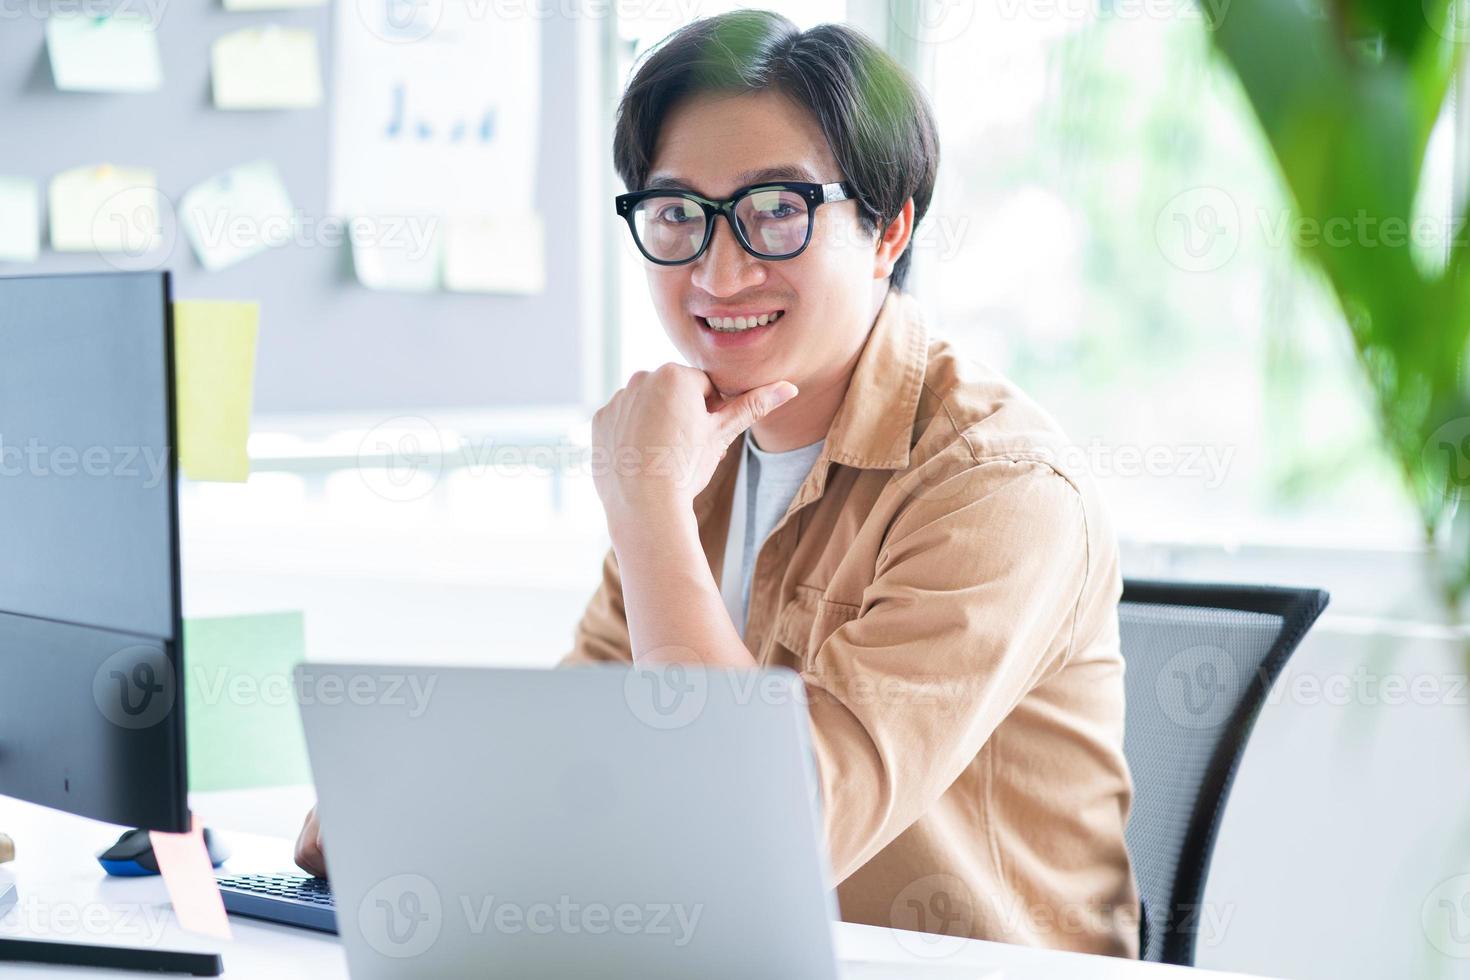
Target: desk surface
{"x":63,"y":895}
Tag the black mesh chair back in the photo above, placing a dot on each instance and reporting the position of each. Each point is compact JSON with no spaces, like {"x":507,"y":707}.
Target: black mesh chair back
{"x":1200,"y":661}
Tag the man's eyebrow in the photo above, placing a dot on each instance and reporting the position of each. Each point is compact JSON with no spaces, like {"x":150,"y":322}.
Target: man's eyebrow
{"x":783,"y":172}
{"x":787,"y":171}
{"x":667,"y":182}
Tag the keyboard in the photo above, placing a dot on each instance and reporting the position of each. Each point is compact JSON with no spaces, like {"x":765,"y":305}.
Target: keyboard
{"x":296,"y":900}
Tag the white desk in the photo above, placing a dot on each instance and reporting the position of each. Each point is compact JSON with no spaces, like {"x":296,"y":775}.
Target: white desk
{"x":63,"y":895}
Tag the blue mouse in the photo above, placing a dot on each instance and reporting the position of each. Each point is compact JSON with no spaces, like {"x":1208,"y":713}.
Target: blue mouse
{"x":132,"y":855}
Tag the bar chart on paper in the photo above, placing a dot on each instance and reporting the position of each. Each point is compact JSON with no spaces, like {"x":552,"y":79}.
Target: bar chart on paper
{"x":436,"y":122}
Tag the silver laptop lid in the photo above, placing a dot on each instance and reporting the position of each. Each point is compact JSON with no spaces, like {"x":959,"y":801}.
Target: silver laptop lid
{"x":593,"y":822}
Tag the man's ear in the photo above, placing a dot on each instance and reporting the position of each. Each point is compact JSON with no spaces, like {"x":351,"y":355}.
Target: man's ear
{"x":892,"y":240}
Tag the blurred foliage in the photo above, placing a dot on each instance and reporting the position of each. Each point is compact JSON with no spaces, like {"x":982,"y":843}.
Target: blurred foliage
{"x":1347,"y":93}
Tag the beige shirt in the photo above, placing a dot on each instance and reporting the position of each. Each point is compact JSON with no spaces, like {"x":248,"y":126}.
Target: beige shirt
{"x":947,"y":587}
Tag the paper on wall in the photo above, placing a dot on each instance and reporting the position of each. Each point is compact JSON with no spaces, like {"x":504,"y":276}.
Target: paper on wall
{"x":236,"y":6}
{"x":400,"y":254}
{"x":117,"y":53}
{"x":266,"y":68}
{"x":237,"y":214}
{"x":436,"y":109}
{"x":104,"y":208}
{"x":503,"y":253}
{"x":20,"y":220}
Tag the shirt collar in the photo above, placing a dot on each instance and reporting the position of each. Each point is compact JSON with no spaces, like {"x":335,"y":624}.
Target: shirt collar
{"x":875,"y":423}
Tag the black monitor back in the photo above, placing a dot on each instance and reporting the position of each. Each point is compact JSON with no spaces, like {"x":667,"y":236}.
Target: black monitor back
{"x":91,"y":697}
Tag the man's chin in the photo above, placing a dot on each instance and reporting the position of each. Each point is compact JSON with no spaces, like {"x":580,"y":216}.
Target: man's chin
{"x":733,"y":385}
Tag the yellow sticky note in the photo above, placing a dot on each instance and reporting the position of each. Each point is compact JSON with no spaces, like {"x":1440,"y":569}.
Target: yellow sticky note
{"x":267,"y":68}
{"x":104,"y":208}
{"x":183,"y":861}
{"x":117,"y":53}
{"x":20,"y":220}
{"x":214,"y":369}
{"x":503,"y":253}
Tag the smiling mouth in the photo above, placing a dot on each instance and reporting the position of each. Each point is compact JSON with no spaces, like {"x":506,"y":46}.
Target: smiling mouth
{"x":735,"y":324}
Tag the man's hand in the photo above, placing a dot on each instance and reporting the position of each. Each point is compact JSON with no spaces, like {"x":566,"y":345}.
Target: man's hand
{"x":309,"y":855}
{"x":659,"y":439}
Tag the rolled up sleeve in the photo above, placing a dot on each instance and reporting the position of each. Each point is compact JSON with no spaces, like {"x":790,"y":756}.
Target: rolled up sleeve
{"x":602,"y":633}
{"x":974,"y":601}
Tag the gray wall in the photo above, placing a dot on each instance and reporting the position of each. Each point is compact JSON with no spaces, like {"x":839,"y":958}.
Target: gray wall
{"x":327,"y":344}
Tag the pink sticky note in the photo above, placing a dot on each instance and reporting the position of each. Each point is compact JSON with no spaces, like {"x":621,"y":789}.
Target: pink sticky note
{"x":183,"y":861}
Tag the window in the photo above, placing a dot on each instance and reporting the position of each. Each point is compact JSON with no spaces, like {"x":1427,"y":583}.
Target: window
{"x":1110,"y":232}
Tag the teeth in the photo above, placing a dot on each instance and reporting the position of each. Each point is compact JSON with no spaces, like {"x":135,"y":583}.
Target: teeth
{"x":733,"y":324}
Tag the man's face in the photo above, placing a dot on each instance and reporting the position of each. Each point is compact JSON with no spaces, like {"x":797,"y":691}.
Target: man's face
{"x":714,"y":144}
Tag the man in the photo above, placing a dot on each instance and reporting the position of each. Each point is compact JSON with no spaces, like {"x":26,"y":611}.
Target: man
{"x":828,"y":490}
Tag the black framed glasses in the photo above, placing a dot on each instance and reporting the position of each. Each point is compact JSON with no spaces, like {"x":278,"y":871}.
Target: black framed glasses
{"x":771,"y":220}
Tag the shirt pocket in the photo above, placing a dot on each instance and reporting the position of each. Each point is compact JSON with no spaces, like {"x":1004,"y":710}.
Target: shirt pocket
{"x":807,"y":620}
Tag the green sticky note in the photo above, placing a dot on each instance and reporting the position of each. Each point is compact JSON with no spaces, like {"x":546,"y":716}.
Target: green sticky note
{"x":103,"y":53}
{"x":214,"y":368}
{"x":239,"y":705}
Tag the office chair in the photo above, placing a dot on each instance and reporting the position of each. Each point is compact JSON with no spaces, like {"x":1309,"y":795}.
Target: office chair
{"x":1200,"y":660}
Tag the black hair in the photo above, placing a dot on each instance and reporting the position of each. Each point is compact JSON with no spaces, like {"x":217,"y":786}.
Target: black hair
{"x":876,"y":119}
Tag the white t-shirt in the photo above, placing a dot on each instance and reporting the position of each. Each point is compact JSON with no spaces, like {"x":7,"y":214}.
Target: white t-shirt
{"x":765,"y":485}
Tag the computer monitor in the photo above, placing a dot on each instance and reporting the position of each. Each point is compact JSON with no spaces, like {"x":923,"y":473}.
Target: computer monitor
{"x":91,"y":703}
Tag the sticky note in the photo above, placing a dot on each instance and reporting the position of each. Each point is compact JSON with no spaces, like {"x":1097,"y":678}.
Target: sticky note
{"x":104,"y":208}
{"x":117,"y":53}
{"x":183,"y":861}
{"x":243,"y":728}
{"x":396,"y":253}
{"x":214,"y":373}
{"x":237,"y":214}
{"x":20,"y":220}
{"x":235,"y":6}
{"x":495,"y":254}
{"x":266,"y":68}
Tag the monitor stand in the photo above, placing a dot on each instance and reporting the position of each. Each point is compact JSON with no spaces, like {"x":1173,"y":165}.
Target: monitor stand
{"x":109,"y":957}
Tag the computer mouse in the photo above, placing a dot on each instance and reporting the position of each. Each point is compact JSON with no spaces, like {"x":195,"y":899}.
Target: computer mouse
{"x":132,"y":855}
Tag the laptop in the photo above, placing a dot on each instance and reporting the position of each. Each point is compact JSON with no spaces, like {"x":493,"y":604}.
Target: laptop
{"x":549,"y":824}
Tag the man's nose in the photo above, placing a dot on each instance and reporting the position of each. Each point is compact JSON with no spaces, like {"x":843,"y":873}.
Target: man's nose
{"x":725,"y":268}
